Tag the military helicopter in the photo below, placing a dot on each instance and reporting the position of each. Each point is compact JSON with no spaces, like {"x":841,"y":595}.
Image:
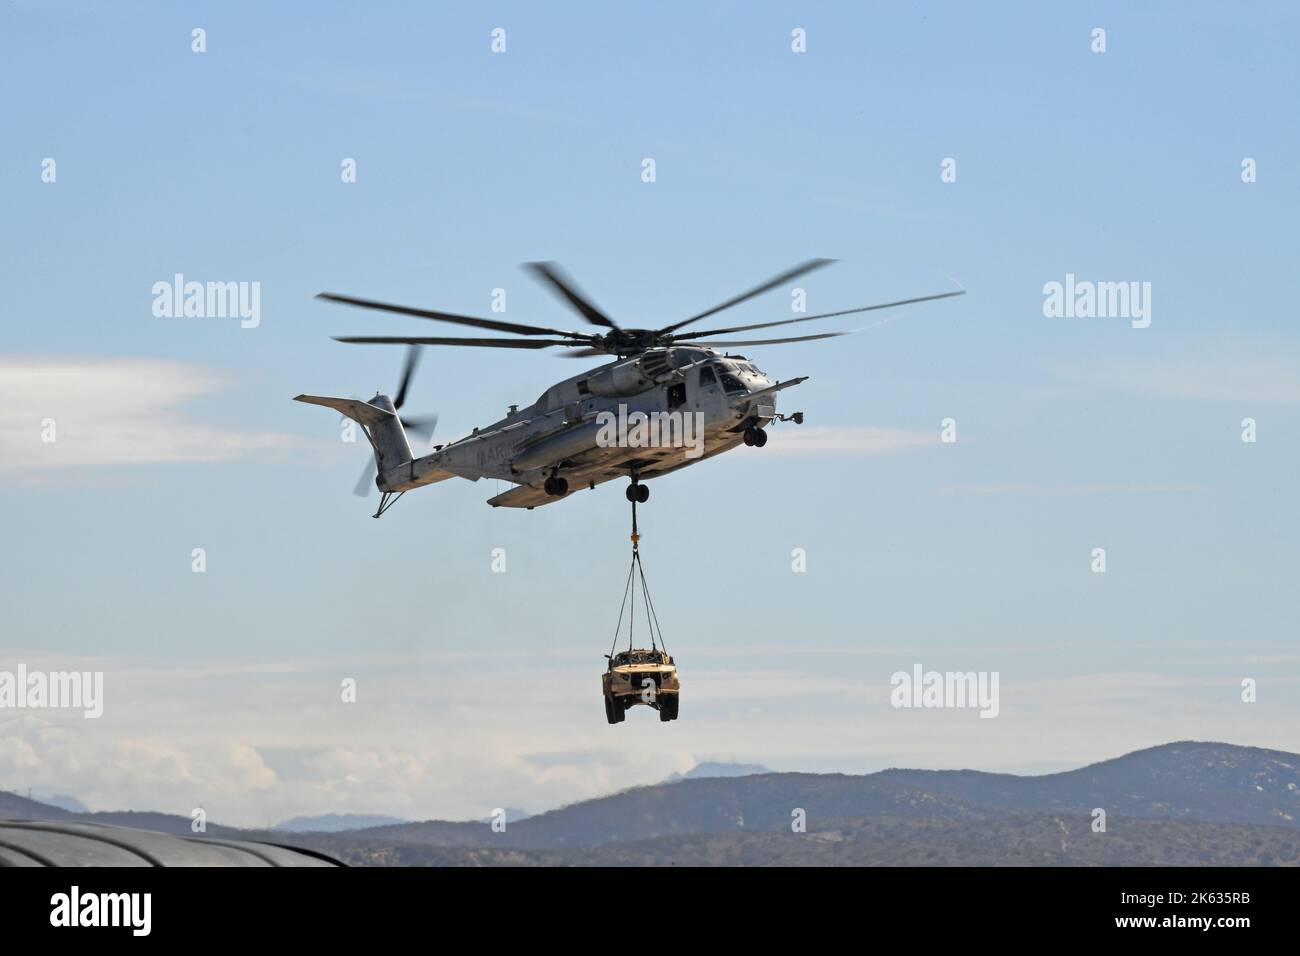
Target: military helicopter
{"x":606,"y":423}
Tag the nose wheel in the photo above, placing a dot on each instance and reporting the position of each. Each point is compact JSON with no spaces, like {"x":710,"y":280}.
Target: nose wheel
{"x":556,"y":486}
{"x":637,"y":492}
{"x":755,"y":437}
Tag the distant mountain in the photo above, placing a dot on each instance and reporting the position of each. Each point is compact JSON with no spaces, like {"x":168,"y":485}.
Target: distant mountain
{"x":1178,"y":804}
{"x":706,"y":805}
{"x":61,"y":800}
{"x":512,"y":815}
{"x":14,"y":807}
{"x":1015,"y":840}
{"x":1179,"y":781}
{"x":712,"y":768}
{"x":336,"y":823}
{"x":1183,"y":781}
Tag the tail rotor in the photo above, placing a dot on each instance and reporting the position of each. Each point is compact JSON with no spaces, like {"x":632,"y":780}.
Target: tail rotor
{"x":421,"y":426}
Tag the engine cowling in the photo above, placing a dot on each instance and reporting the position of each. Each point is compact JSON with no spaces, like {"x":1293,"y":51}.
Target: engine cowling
{"x":627,"y":377}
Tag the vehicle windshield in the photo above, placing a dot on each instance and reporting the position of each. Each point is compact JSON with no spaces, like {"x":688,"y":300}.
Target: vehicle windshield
{"x":639,"y":657}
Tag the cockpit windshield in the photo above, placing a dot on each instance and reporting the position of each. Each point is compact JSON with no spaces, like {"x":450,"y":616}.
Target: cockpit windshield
{"x":730,"y":383}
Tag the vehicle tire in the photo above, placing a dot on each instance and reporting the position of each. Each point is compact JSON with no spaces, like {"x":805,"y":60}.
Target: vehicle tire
{"x":760,"y":438}
{"x":668,"y":707}
{"x":642,"y":493}
{"x":609,"y":710}
{"x":620,"y":711}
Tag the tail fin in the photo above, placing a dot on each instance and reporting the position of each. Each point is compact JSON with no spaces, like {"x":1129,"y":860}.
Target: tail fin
{"x":379,"y":419}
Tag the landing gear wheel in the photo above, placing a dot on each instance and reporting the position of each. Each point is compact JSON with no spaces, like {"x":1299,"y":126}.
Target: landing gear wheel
{"x":556,"y":487}
{"x":642,"y":493}
{"x":631,"y":492}
{"x":755,"y":437}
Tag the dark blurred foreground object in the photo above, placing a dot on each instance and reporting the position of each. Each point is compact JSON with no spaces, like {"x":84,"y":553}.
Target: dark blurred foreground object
{"x":33,"y":843}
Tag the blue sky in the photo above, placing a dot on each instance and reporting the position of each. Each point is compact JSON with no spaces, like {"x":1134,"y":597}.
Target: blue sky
{"x":1072,"y":433}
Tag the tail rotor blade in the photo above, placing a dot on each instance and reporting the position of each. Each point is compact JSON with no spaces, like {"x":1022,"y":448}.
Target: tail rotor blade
{"x":422,"y":426}
{"x":412,"y":359}
{"x":367,"y":482}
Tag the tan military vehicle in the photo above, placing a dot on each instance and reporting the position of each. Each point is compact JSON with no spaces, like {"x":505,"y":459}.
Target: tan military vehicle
{"x":640,"y":677}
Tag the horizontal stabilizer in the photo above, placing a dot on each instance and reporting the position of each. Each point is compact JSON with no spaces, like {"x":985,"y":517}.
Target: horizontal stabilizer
{"x":353,"y":408}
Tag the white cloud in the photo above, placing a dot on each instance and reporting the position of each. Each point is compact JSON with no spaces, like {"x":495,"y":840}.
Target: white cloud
{"x":112,"y":411}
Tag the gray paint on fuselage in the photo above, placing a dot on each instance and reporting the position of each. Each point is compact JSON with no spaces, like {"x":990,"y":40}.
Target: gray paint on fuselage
{"x":490,"y":452}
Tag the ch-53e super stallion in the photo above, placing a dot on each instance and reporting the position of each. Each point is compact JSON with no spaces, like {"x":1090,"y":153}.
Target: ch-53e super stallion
{"x":668,"y":400}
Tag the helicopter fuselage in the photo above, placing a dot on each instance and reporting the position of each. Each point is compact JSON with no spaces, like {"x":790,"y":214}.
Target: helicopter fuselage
{"x":638,"y":417}
{"x":668,"y":401}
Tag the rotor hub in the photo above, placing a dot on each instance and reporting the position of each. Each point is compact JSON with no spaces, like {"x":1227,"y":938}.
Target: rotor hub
{"x":630,"y":341}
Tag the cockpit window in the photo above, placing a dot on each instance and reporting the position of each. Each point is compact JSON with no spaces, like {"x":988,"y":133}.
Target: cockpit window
{"x":707,"y":377}
{"x":730,"y":384}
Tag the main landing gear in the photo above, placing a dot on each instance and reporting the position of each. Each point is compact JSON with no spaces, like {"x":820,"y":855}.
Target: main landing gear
{"x":637,"y":492}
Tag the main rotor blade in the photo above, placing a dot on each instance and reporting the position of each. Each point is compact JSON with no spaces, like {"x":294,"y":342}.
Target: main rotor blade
{"x":494,"y":324}
{"x":828,"y":315}
{"x":567,"y":289}
{"x":797,"y":338}
{"x":428,"y":340}
{"x":582,"y":353}
{"x":799,"y":270}
{"x":412,"y":360}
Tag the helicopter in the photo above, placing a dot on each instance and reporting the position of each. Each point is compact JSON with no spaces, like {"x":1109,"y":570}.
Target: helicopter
{"x":669,"y":399}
